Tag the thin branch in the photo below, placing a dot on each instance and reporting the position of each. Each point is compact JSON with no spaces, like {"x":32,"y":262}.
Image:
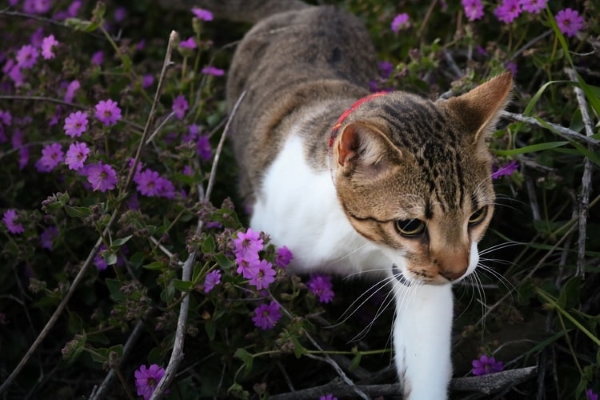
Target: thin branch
{"x":157,"y":130}
{"x":177,"y":353}
{"x":560,"y":130}
{"x":100,"y":392}
{"x":486,"y":384}
{"x":586,"y":180}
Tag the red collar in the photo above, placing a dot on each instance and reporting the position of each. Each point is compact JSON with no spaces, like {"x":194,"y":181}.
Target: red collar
{"x":354,"y":106}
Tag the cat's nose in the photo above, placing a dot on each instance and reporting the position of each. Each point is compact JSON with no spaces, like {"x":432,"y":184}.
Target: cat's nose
{"x":453,"y":265}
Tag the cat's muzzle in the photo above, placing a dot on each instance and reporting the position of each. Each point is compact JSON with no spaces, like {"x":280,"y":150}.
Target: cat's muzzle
{"x":399,"y":276}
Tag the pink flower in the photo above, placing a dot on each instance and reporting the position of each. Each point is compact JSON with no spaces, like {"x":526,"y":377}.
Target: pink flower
{"x":75,"y":124}
{"x":10,"y":220}
{"x":102,"y":177}
{"x":97,"y":58}
{"x":533,"y":6}
{"x":569,"y":22}
{"x":328,"y":397}
{"x":146,"y":380}
{"x":486,"y":365}
{"x":27,"y":56}
{"x":70,"y":93}
{"x":147,"y":81}
{"x":201,"y":14}
{"x":266,"y":315}
{"x":203,"y":148}
{"x":212,"y":279}
{"x":76,"y":155}
{"x":47,"y":236}
{"x":47,"y":43}
{"x":284,"y":257}
{"x":247,"y":244}
{"x":321,"y":286}
{"x":108,"y":112}
{"x":508,"y":11}
{"x":263,"y":275}
{"x":52,"y":155}
{"x":505,"y":170}
{"x":401,"y":21}
{"x":189,"y":44}
{"x":147,"y":182}
{"x":473,"y":9}
{"x":212,"y":71}
{"x":180,"y":106}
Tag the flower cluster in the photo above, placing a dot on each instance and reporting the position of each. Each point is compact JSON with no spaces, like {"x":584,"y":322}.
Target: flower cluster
{"x":320,"y":285}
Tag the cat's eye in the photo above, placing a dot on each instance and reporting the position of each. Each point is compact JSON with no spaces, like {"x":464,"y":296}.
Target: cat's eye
{"x":478,"y":216}
{"x":410,"y":227}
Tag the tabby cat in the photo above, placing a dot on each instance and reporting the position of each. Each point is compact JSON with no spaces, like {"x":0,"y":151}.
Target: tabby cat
{"x":389,"y":185}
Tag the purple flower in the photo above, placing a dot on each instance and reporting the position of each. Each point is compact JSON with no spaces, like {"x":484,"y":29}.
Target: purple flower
{"x":505,"y":170}
{"x":533,"y":6}
{"x":212,"y":279}
{"x":512,"y":67}
{"x":10,"y":220}
{"x":201,"y":14}
{"x":74,"y":8}
{"x":146,"y":380}
{"x":508,"y":11}
{"x":102,"y":177}
{"x":569,"y":22}
{"x":283,"y":257}
{"x":473,"y":9}
{"x":486,"y":365}
{"x":47,"y":236}
{"x":52,"y":155}
{"x":385,"y":69}
{"x":212,"y":71}
{"x":401,"y":21}
{"x":328,"y":397}
{"x":263,"y":275}
{"x":97,"y":58}
{"x":147,"y":81}
{"x":108,"y":112}
{"x":27,"y":56}
{"x":5,"y":118}
{"x":165,"y":188}
{"x":248,"y":244}
{"x":247,"y":265}
{"x":75,"y":124}
{"x":180,"y":106}
{"x":147,"y":182}
{"x":23,"y":157}
{"x":320,"y":285}
{"x":266,"y":315}
{"x":203,"y":148}
{"x":40,"y":6}
{"x":120,"y":14}
{"x":47,"y":43}
{"x":70,"y":93}
{"x":76,"y":155}
{"x":591,"y":395}
{"x":189,"y":44}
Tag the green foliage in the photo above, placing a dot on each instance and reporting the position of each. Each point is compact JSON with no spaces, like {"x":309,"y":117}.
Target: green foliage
{"x":123,"y":298}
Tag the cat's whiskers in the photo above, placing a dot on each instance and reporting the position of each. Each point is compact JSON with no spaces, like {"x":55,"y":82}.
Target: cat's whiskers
{"x":507,"y":284}
{"x":362,"y":298}
{"x":347,"y":255}
{"x":387,"y":300}
{"x":498,"y":246}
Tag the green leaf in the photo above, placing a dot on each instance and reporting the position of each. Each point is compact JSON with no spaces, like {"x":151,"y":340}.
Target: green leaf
{"x":569,"y":295}
{"x":184,"y":286}
{"x":155,"y":266}
{"x":299,"y":350}
{"x":247,"y":358}
{"x":117,"y":349}
{"x":137,"y":259}
{"x":208,"y":246}
{"x":211,"y":330}
{"x":78,"y":212}
{"x":224,"y":262}
{"x":531,"y":149}
{"x":356,"y":360}
{"x":120,"y":242}
{"x":114,"y":287}
{"x":110,"y":257}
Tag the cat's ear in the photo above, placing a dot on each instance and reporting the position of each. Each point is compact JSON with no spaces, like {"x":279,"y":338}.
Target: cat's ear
{"x":480,"y":108}
{"x":362,"y":147}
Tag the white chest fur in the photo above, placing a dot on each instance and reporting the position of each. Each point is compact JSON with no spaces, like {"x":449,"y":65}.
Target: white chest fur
{"x":298,"y":208}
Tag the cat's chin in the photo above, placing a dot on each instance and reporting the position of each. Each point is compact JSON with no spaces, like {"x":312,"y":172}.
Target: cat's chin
{"x":408,"y":281}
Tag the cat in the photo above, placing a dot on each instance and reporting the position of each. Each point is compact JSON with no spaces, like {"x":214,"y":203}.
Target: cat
{"x":388,"y":184}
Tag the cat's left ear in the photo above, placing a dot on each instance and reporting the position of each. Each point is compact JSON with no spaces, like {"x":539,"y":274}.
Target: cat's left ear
{"x":362,"y":148}
{"x":480,"y":108}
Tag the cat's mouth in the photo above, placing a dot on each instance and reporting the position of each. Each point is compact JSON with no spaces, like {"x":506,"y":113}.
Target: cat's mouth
{"x":399,"y":276}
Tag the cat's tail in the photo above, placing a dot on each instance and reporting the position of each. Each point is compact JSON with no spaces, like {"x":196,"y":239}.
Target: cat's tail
{"x":238,"y":10}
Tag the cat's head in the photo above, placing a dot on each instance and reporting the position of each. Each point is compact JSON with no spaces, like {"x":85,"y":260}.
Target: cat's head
{"x":414,"y":177}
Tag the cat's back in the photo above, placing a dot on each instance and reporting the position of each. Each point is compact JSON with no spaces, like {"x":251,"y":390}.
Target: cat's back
{"x":288,"y":64}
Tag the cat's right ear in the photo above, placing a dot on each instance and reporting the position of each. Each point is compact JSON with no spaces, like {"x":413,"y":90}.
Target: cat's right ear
{"x":362,"y":148}
{"x":480,"y":108}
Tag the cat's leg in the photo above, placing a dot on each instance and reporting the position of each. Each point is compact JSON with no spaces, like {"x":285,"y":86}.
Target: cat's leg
{"x":422,"y":333}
